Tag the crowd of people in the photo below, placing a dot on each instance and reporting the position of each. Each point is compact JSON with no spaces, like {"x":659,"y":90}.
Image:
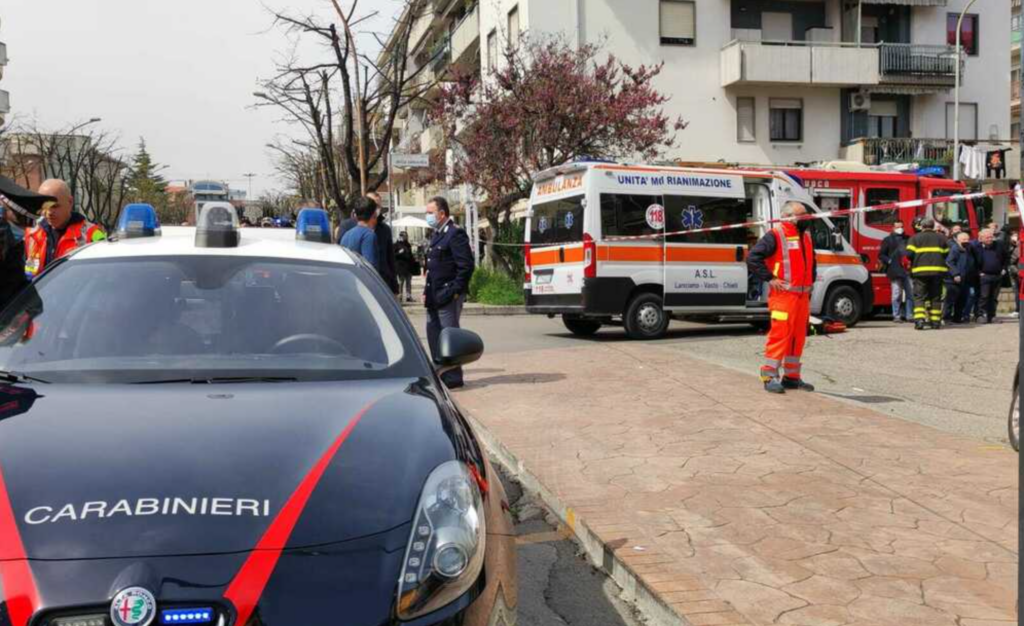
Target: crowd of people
{"x":947,"y":277}
{"x":448,"y":261}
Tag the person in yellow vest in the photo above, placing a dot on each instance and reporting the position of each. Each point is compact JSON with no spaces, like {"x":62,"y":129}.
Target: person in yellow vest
{"x":60,"y":230}
{"x":784,"y":258}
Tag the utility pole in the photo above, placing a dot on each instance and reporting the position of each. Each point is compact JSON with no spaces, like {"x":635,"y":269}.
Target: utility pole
{"x":250,"y":176}
{"x":956,"y":91}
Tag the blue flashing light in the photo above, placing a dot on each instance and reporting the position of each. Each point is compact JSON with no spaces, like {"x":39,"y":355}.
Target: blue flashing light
{"x":138,"y":220}
{"x":204,"y":615}
{"x":313,"y":225}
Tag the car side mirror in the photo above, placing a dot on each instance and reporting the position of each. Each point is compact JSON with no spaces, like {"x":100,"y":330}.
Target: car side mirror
{"x":458,"y":347}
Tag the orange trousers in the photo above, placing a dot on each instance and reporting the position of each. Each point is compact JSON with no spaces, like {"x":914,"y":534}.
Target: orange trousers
{"x":790,"y":313}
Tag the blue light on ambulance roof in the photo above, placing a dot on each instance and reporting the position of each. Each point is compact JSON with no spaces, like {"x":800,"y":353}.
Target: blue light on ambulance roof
{"x":138,"y":220}
{"x":313,"y":225}
{"x":203,"y":615}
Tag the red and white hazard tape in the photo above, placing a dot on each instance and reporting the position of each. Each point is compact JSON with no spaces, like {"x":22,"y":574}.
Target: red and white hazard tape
{"x":1018,"y":194}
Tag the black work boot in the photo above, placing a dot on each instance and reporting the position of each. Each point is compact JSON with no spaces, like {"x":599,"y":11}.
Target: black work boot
{"x":772,"y":385}
{"x":919,"y":325}
{"x":797,"y":384}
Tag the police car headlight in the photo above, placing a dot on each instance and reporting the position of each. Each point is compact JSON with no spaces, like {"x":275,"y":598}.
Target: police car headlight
{"x":446,"y":547}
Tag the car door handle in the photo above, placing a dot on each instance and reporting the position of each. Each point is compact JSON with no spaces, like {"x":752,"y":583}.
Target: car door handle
{"x":561,"y":255}
{"x":741,"y":253}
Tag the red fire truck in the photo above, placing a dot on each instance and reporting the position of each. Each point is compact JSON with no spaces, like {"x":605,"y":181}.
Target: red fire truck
{"x":834,"y":190}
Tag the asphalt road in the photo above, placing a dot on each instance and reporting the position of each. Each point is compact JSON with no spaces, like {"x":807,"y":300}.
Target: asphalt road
{"x":958,"y":379}
{"x":556,"y":585}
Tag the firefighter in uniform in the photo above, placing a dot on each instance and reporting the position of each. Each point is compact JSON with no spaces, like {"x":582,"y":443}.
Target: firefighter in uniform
{"x":60,"y":230}
{"x":784,"y":258}
{"x":927,"y":252}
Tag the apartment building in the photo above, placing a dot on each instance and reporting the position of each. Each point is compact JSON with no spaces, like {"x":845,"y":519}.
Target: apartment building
{"x":5,"y":98}
{"x":773,"y":81}
{"x":1015,"y":37}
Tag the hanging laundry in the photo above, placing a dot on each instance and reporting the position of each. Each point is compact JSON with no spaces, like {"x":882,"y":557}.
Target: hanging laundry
{"x":995,"y":164}
{"x":972,"y":162}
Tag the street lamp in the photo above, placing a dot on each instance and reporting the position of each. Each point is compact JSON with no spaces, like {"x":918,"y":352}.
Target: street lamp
{"x":84,"y":124}
{"x":956,"y":93}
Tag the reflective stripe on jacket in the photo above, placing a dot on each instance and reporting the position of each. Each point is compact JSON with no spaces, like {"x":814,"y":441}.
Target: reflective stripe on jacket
{"x":76,"y":236}
{"x":927,"y":251}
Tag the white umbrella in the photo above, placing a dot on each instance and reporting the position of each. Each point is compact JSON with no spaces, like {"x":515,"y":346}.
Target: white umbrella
{"x":410,"y":222}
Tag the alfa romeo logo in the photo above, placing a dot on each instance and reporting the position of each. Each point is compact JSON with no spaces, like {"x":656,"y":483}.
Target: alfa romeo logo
{"x":133,"y":606}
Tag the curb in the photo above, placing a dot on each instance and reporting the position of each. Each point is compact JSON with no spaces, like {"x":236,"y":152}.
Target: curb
{"x":475,"y":310}
{"x":655,"y":610}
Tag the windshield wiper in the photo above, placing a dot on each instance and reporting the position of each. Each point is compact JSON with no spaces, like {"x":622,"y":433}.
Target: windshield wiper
{"x":18,"y":377}
{"x":219,"y":380}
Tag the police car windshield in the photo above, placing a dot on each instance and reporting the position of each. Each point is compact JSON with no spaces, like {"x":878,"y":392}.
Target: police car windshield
{"x":203,"y":318}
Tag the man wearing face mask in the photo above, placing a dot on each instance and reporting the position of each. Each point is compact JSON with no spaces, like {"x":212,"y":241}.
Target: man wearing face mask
{"x":450,"y":266}
{"x":21,"y":207}
{"x":784,"y":258}
{"x":892,"y":255}
{"x":927,"y":251}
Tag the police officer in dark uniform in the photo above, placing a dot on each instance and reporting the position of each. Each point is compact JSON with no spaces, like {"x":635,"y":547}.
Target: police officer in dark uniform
{"x":449,"y":268}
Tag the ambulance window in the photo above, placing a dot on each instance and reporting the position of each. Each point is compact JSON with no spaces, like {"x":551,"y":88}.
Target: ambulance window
{"x":821,"y":235}
{"x":560,"y":221}
{"x":693,"y":212}
{"x":628,"y":216}
{"x":874,"y":197}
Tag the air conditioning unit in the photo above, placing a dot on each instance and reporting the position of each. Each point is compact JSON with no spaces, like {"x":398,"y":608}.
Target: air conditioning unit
{"x":860,"y":101}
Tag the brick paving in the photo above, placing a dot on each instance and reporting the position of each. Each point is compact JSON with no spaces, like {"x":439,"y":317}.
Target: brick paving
{"x":732,"y":506}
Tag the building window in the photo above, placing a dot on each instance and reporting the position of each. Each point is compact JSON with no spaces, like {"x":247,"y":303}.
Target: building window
{"x":875,"y":197}
{"x":969,"y":35}
{"x":513,"y":27}
{"x":678,"y":22}
{"x":968,"y":121}
{"x":492,"y":50}
{"x":882,"y":118}
{"x":745,"y":120}
{"x":786,"y":119}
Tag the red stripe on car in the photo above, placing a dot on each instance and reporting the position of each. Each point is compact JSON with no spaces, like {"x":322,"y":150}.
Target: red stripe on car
{"x":248,"y":585}
{"x":19,"y":587}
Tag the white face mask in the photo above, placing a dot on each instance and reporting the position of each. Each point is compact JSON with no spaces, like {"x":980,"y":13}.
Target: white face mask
{"x":898,"y":231}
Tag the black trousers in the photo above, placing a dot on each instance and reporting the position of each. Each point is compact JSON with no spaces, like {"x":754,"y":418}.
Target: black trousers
{"x":989,"y":299}
{"x":953,"y":307}
{"x":928,"y":297}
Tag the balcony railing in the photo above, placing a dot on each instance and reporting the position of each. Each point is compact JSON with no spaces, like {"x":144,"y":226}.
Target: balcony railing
{"x":466,"y":34}
{"x":916,"y":63}
{"x":923,"y":152}
{"x":798,"y":62}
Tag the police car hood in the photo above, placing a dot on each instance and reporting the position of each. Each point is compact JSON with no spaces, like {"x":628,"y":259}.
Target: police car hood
{"x":108,"y":471}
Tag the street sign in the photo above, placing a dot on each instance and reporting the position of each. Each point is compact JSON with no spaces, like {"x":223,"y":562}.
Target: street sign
{"x":410,"y":161}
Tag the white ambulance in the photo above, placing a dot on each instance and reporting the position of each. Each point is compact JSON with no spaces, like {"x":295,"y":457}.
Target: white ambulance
{"x":600,"y":248}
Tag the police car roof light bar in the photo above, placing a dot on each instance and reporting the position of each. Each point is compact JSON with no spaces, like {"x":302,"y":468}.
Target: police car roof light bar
{"x":138,"y":220}
{"x":218,"y":226}
{"x":313,"y":225}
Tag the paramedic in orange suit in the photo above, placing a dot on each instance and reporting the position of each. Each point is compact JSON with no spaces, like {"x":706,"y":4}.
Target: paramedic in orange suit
{"x":784,"y":258}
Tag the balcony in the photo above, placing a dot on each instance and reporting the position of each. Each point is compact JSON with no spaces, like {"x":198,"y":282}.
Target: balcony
{"x":441,"y":54}
{"x":820,"y":63}
{"x":918,"y":65}
{"x":466,"y":37}
{"x":923,"y":152}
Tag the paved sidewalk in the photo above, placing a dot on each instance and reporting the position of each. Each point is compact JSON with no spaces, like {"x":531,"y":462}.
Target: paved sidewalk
{"x":715,"y":503}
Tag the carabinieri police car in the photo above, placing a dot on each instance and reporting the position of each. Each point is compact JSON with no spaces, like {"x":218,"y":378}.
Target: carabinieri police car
{"x":222,"y":426}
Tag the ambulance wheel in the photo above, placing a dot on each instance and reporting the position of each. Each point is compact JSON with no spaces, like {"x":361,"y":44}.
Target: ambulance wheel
{"x":1014,"y":421}
{"x":645,"y":317}
{"x":581,"y":327}
{"x":843,"y":304}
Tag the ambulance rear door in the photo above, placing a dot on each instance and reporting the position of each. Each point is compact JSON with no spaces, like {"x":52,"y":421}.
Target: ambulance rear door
{"x":556,"y":254}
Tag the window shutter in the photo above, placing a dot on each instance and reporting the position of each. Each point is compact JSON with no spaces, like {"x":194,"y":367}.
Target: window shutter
{"x":745,"y":124}
{"x":678,"y":21}
{"x":884,"y":108}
